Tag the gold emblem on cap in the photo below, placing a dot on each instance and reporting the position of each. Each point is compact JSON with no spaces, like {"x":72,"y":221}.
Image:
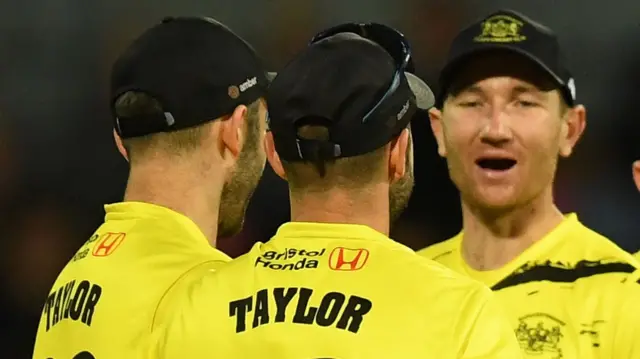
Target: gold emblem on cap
{"x":233,"y":92}
{"x":501,"y":28}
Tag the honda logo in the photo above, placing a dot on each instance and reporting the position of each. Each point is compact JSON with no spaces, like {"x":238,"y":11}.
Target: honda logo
{"x":348,"y":259}
{"x":109,"y":242}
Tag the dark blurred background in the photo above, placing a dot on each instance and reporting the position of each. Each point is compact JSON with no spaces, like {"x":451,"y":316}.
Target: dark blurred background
{"x":58,"y":164}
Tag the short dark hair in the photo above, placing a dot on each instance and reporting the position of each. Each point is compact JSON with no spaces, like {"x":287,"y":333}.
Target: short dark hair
{"x":348,"y":173}
{"x":132,"y":104}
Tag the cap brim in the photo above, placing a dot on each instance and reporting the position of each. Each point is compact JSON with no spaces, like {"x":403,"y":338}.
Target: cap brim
{"x":425,"y":98}
{"x":461,"y":59}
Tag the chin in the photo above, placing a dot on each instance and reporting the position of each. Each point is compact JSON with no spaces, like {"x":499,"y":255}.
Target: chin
{"x":493,"y":199}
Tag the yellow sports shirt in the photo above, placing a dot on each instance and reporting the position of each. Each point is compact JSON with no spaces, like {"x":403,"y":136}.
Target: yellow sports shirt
{"x":334,"y":291}
{"x":564,"y":294}
{"x":637,"y":255}
{"x":103,"y":303}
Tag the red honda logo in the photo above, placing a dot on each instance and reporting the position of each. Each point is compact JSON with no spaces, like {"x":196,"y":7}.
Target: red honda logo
{"x":348,"y":259}
{"x":109,"y":242}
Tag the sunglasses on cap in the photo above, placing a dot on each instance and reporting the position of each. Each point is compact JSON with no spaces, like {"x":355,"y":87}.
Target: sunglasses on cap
{"x":389,"y":39}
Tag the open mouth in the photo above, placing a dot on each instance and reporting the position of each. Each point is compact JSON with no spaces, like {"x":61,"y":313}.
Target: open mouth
{"x":496,"y":164}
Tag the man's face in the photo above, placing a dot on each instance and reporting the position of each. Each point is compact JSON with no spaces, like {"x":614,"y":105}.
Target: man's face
{"x":502,"y":129}
{"x":237,"y":192}
{"x":400,"y":191}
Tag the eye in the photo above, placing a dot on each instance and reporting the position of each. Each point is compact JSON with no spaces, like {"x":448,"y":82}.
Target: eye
{"x":470,"y":104}
{"x":525,"y":103}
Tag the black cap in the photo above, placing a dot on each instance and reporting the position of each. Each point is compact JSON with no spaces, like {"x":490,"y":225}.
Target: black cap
{"x":335,"y":82}
{"x":509,"y":31}
{"x":197,"y":68}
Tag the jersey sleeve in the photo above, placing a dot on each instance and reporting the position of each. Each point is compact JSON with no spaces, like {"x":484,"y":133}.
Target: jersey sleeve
{"x":490,"y":335}
{"x":627,"y":331}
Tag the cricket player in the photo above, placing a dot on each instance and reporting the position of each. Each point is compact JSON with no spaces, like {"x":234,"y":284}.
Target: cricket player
{"x":506,"y":113}
{"x":189,"y":114}
{"x":331,"y":283}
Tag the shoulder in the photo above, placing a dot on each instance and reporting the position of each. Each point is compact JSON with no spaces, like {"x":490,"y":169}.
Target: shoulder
{"x":441,"y":250}
{"x":626,"y":293}
{"x":590,"y":238}
{"x":224,"y":277}
{"x":439,"y":280}
{"x":204,"y":291}
{"x":242,"y":263}
{"x":599,"y":248}
{"x":179,"y":293}
{"x":462,"y":299}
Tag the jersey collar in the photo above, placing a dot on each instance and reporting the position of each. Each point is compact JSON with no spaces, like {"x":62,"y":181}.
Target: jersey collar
{"x":329,"y":230}
{"x":536,"y":250}
{"x":164,"y":216}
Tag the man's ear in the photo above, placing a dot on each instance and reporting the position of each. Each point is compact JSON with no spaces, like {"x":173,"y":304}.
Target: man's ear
{"x":273,"y":157}
{"x":231,"y":133}
{"x":120,"y":146}
{"x":574,"y":125}
{"x":398,"y":156}
{"x":435,"y":119}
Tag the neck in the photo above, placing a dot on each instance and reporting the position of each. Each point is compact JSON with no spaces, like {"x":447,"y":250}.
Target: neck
{"x":178,"y":188}
{"x":492,"y":240}
{"x":369,"y":207}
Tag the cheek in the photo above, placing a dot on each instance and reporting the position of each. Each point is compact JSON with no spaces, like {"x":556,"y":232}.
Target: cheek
{"x":539,"y":137}
{"x":458,"y":135}
{"x":458,"y":139}
{"x":541,"y":145}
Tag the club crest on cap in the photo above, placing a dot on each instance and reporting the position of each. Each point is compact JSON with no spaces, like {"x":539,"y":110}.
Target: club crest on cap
{"x":501,"y":29}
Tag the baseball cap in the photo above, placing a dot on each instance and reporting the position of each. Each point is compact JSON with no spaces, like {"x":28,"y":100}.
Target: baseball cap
{"x":510,"y":31}
{"x":352,"y":79}
{"x":196,"y":67}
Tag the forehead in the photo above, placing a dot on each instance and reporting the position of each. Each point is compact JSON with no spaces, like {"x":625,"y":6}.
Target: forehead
{"x":519,"y":70}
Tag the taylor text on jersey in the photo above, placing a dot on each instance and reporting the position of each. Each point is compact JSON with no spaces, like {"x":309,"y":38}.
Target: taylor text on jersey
{"x":335,"y":309}
{"x":75,"y":300}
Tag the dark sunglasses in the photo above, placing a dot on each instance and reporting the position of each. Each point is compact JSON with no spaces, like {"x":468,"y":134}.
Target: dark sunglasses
{"x":389,"y":39}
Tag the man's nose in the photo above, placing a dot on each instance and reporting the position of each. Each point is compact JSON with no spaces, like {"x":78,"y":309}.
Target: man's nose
{"x":496,"y":130}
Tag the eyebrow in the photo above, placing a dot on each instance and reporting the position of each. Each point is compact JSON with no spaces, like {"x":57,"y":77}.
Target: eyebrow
{"x":474,"y":89}
{"x":525,"y":89}
{"x":519,"y":89}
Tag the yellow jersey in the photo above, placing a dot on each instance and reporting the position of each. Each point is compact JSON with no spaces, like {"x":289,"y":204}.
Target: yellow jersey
{"x":334,"y":291}
{"x":637,"y":255}
{"x":103,"y":303}
{"x":564,"y":294}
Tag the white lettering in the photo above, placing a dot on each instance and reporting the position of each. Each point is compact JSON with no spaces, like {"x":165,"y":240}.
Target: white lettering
{"x":403,"y":111}
{"x":248,"y":84}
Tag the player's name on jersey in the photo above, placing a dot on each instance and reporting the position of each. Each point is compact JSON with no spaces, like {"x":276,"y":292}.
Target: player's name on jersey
{"x":335,"y":309}
{"x":75,"y":300}
{"x":290,"y":259}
